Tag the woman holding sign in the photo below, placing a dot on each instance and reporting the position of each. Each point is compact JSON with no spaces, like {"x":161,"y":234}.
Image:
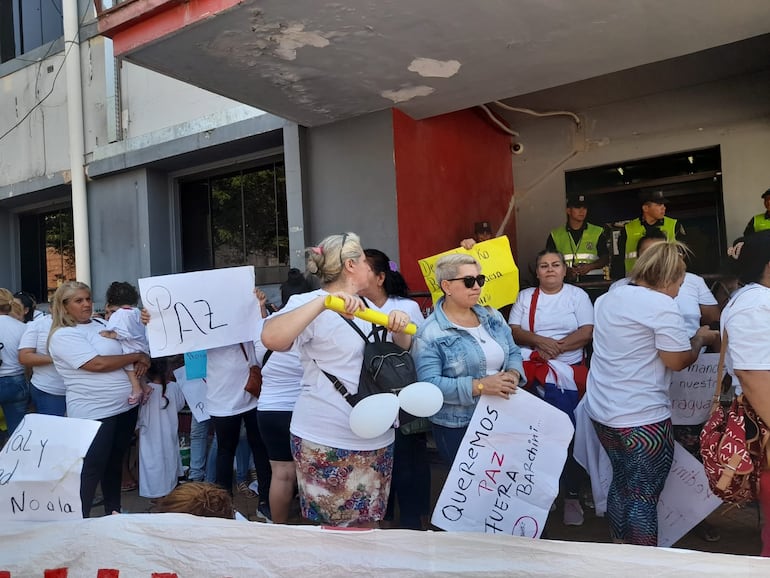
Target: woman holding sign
{"x":639,"y":337}
{"x":96,"y":388}
{"x":465,"y":349}
{"x":553,"y":322}
{"x":343,"y":479}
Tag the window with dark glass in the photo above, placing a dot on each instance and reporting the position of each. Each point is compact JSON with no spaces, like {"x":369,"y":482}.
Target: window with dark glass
{"x":691,"y":180}
{"x":27,"y":24}
{"x":237,"y":218}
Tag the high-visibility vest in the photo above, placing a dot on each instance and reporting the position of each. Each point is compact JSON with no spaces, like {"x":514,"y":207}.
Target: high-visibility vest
{"x":586,"y":250}
{"x":635,"y":230}
{"x":761,"y":223}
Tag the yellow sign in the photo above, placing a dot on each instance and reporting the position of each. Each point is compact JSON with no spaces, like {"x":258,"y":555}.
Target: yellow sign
{"x":497,"y":264}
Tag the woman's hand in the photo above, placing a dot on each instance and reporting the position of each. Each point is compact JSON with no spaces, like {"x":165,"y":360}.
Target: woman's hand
{"x":502,"y":384}
{"x":142,"y":364}
{"x":397,"y":321}
{"x":547,"y":347}
{"x":353,"y":303}
{"x":468,"y":244}
{"x":144,"y":316}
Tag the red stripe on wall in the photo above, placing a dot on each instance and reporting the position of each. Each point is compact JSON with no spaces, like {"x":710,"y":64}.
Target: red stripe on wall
{"x":167,"y":22}
{"x":452,"y":171}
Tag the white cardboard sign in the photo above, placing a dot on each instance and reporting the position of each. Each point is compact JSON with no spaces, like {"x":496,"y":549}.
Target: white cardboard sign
{"x":40,"y":468}
{"x":692,"y":390}
{"x":506,"y":473}
{"x":200,"y":310}
{"x":194,"y":391}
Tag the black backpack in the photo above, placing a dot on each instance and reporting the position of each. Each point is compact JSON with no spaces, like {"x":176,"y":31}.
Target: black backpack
{"x":387,"y":368}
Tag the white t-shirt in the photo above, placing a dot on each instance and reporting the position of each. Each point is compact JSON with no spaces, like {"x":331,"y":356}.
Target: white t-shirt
{"x":746,"y":318}
{"x":556,"y":316}
{"x":11,"y":331}
{"x":692,"y":294}
{"x":90,"y":394}
{"x":227,"y":371}
{"x":44,"y":377}
{"x":628,"y":384}
{"x":160,"y":464}
{"x":281,"y":377}
{"x":321,"y":415}
{"x":126,"y":322}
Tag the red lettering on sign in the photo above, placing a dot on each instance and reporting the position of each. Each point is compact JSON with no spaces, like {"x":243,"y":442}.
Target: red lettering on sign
{"x":55,"y":573}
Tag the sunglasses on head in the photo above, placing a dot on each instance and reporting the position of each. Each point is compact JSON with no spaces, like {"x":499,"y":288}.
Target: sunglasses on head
{"x":469,"y":281}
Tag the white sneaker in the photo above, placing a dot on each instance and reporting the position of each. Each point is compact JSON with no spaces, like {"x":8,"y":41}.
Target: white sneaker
{"x":573,"y":512}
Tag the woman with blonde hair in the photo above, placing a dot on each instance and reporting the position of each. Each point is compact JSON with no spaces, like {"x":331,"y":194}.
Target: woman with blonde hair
{"x":639,"y":338}
{"x":198,"y":499}
{"x":343,"y":479}
{"x":14,"y":388}
{"x":465,"y":349}
{"x":96,"y":388}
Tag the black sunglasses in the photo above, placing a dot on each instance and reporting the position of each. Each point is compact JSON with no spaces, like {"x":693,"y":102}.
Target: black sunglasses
{"x":469,"y":281}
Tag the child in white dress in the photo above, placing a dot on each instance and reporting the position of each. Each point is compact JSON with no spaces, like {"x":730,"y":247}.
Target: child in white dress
{"x":124,"y":324}
{"x":160,"y":464}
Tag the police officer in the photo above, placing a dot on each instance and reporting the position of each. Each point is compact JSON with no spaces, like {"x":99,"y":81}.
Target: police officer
{"x":760,"y":222}
{"x":653,"y":216}
{"x":583,"y":245}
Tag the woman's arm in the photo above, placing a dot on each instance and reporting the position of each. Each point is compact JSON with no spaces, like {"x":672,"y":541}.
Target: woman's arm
{"x":678,"y":360}
{"x":578,"y":339}
{"x":756,"y":386}
{"x":709,"y":314}
{"x":29,"y":357}
{"x":280,"y":331}
{"x":105,"y":363}
{"x":548,"y":347}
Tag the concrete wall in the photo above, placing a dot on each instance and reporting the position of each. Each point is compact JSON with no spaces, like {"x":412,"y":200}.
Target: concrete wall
{"x":129,"y":224}
{"x":352,"y":182}
{"x":734,"y":114}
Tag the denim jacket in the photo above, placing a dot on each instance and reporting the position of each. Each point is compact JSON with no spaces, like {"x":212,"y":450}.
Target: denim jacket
{"x":452,"y":358}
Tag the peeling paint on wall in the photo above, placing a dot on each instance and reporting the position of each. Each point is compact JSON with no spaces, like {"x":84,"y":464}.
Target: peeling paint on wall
{"x":404,"y":94}
{"x":430,"y":68}
{"x":294,"y":36}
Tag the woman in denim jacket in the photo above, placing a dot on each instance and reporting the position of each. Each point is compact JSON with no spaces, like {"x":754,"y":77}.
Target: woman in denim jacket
{"x":465,"y":349}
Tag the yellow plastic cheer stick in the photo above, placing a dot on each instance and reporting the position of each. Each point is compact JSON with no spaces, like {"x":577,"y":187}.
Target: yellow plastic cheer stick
{"x":370,"y":315}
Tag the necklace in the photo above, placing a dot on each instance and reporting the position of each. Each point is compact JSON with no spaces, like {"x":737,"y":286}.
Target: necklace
{"x":476,"y":332}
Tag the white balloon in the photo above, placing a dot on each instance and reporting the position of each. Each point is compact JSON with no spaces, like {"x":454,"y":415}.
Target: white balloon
{"x":421,"y":399}
{"x":373,"y":415}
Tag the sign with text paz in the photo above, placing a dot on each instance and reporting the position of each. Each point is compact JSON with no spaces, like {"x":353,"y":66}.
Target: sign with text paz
{"x":40,"y":468}
{"x":692,"y":391}
{"x":497,"y":264}
{"x":506,"y":473}
{"x":200,"y":310}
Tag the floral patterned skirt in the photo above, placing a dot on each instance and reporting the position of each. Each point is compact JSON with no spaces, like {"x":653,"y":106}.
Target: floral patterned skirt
{"x":342,"y":487}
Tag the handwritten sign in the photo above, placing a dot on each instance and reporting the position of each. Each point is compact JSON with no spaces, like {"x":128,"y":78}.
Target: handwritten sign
{"x":40,"y":468}
{"x":692,"y":391}
{"x":497,"y":264}
{"x":200,"y":310}
{"x":506,"y":473}
{"x":194,"y":392}
{"x":686,"y":498}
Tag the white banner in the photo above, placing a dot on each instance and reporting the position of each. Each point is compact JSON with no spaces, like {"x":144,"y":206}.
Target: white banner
{"x":40,"y":468}
{"x":194,"y":391}
{"x":506,"y":473}
{"x":180,"y":545}
{"x":692,"y":390}
{"x":200,"y":310}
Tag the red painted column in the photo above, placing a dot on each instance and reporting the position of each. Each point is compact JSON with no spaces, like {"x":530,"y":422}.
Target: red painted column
{"x":451,"y":171}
